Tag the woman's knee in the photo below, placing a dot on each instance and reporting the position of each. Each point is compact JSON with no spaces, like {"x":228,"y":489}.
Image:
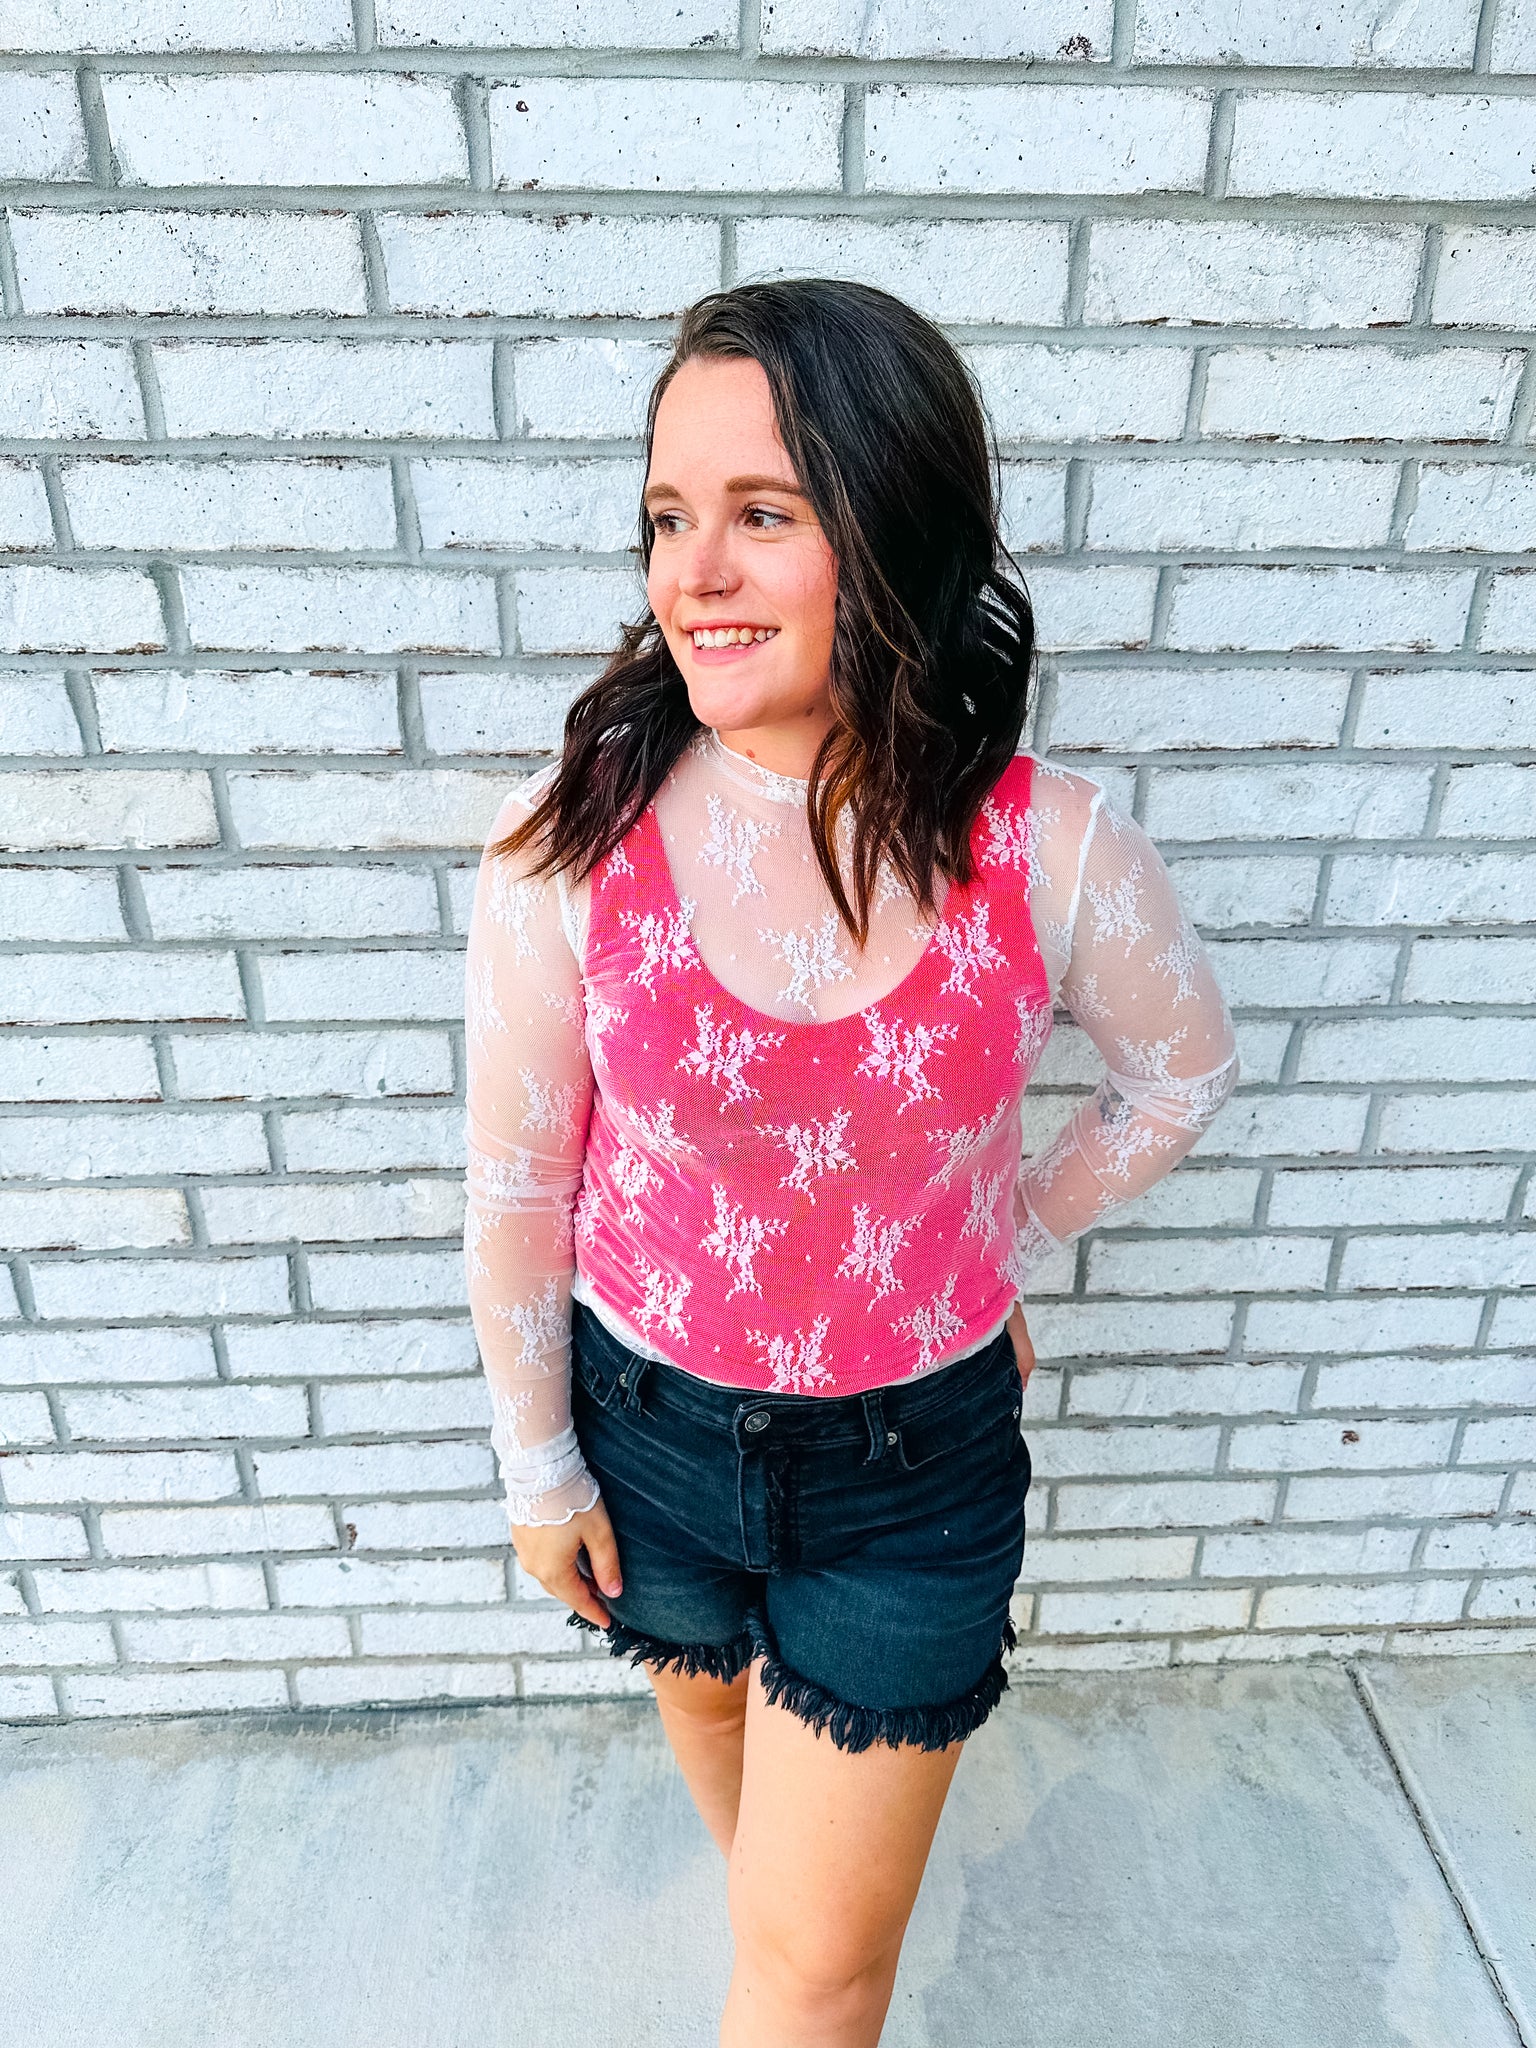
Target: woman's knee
{"x":820,"y":1971}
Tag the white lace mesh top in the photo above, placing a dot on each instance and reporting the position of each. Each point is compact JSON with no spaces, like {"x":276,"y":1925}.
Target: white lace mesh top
{"x":1119,"y":955}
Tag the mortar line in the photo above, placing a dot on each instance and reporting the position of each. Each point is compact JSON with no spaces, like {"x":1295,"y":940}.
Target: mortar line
{"x":474,"y":117}
{"x":364,"y":27}
{"x":1407,"y":1784}
{"x":851,"y":140}
{"x":10,"y":284}
{"x":1482,"y":45}
{"x":93,"y":115}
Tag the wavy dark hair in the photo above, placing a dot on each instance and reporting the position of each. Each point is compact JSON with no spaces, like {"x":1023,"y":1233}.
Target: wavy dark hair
{"x":933,"y":639}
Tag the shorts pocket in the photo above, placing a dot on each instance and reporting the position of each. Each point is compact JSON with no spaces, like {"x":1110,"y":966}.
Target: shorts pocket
{"x":599,"y":1366}
{"x":989,"y":1407}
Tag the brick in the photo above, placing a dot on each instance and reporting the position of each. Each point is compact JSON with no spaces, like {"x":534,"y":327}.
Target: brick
{"x":1034,"y":138}
{"x":1068,"y":1560}
{"x":591,"y":506}
{"x":104,"y":1476}
{"x":92,"y":1219}
{"x":49,"y":609}
{"x":1381,"y":145}
{"x":1465,"y":505}
{"x":176,"y":25}
{"x":633,"y":266}
{"x":236,"y":1639}
{"x":24,"y":1419}
{"x":1032,"y":506}
{"x":1444,"y":1383}
{"x":1237,"y":505}
{"x":1421,"y":1495}
{"x":1355,"y":33}
{"x":1344,"y":1325}
{"x":1509,"y":625}
{"x":1227,"y":890}
{"x":1326,"y":1606}
{"x":36,"y":718}
{"x":1249,"y":273}
{"x":491,"y":24}
{"x":1482,"y":1258}
{"x":1092,"y":607}
{"x":361,"y":610}
{"x":837,"y":28}
{"x":262,"y":1214}
{"x":120,"y":985}
{"x":27,"y":1699}
{"x":570,"y":1678}
{"x":425,"y":808}
{"x":1484,"y":1121}
{"x":269,"y":264}
{"x":187,"y":1413}
{"x":68,"y":391}
{"x":1480,"y":970}
{"x":1153,"y":1612}
{"x":55,"y":1643}
{"x":1497,"y":1440}
{"x":326,"y":390}
{"x":1206,"y":1265}
{"x":1165,"y":1504}
{"x":495,"y":714}
{"x":42,"y":1536}
{"x":135,"y":807}
{"x":1497,"y":1598}
{"x":343,"y":1349}
{"x":1514,"y":37}
{"x":160,"y":1287}
{"x":1305,"y":608}
{"x":314,"y":987}
{"x":1279,"y":974}
{"x":267,"y":901}
{"x":101,"y":1589}
{"x":70,"y":1357}
{"x":574,"y":611}
{"x":358,"y":1684}
{"x":60,"y":903}
{"x":1286,"y":1553}
{"x":428,"y":1525}
{"x":1308,"y":801}
{"x":1497,"y":801}
{"x":182,"y":1532}
{"x":344,"y":1471}
{"x":401,"y":1407}
{"x":1184,"y":1390}
{"x":211,"y":505}
{"x":485,"y":1632}
{"x":1094,"y":1450}
{"x":284,"y":128}
{"x":135,"y":1694}
{"x":25,"y":522}
{"x":1360,"y":394}
{"x":1312,"y":1445}
{"x":993,"y":271}
{"x":587,"y":390}
{"x":1147,"y":710}
{"x":724,"y":136}
{"x":1419,"y":1049}
{"x":1106,"y":1329}
{"x":1035,"y":391}
{"x":1485,"y":277}
{"x":1430,"y":889}
{"x":1396,"y":1194}
{"x":378,"y":1582}
{"x":1197,"y":1199}
{"x":1448,"y":708}
{"x":41,"y":133}
{"x":348,"y":1281}
{"x":306,"y":1063}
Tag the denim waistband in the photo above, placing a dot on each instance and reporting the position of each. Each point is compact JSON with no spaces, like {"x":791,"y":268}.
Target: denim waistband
{"x":824,"y":1419}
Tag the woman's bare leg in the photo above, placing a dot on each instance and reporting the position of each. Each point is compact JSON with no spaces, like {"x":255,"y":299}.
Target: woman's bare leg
{"x":705,"y":1722}
{"x":829,"y":1852}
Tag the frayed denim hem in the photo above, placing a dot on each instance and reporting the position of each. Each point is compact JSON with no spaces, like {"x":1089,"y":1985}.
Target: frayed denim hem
{"x":859,"y":1728}
{"x":725,"y":1661}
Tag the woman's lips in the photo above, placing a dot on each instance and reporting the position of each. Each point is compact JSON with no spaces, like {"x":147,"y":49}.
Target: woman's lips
{"x":713,"y":657}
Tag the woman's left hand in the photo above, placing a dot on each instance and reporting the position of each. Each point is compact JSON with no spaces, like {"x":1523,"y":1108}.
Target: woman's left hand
{"x":1023,"y":1348}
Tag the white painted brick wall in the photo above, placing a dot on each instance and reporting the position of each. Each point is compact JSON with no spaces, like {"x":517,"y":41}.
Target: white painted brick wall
{"x":322,"y":366}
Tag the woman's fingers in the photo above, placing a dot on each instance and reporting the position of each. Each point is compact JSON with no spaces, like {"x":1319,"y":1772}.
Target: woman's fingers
{"x":577,"y":1592}
{"x":552,"y":1555}
{"x":602,"y":1550}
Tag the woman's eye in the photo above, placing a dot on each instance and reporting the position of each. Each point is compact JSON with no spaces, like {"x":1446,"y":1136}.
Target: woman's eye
{"x":661,"y":521}
{"x":767,"y":512}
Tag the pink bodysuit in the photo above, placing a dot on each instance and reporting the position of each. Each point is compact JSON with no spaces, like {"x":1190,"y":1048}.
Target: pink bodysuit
{"x":777,"y":1160}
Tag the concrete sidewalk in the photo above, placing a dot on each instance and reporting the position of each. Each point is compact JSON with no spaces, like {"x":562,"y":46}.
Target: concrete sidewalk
{"x":1294,"y":1856}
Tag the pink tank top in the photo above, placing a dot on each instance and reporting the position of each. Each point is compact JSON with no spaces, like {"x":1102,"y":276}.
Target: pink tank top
{"x":821,"y":1207}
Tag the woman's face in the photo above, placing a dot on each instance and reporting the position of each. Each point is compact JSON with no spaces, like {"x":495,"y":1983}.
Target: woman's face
{"x":738,"y":549}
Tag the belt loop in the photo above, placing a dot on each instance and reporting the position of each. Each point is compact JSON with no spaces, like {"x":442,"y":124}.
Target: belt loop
{"x":874,"y":1419}
{"x":635,"y":1370}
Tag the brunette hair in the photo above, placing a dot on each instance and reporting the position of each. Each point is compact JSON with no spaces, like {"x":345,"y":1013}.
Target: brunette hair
{"x":933,"y":638}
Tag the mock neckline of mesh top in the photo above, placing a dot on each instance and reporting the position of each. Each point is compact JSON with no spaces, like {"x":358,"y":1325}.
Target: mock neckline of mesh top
{"x":764,"y":782}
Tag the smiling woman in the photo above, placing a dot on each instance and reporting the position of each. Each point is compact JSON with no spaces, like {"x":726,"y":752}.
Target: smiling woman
{"x":758,"y":973}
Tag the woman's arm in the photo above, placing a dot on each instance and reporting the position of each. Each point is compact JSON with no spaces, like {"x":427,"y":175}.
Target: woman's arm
{"x":1139,"y":982}
{"x":529,"y":1094}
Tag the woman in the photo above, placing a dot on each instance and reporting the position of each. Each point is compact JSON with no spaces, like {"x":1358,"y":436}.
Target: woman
{"x":757,"y":973}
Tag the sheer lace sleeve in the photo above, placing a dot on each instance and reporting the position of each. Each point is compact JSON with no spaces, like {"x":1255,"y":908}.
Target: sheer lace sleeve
{"x":529,"y":1095}
{"x":1133,"y":973}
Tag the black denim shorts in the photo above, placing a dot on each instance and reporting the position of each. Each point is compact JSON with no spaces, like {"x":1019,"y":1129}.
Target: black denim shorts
{"x":864,"y":1546}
